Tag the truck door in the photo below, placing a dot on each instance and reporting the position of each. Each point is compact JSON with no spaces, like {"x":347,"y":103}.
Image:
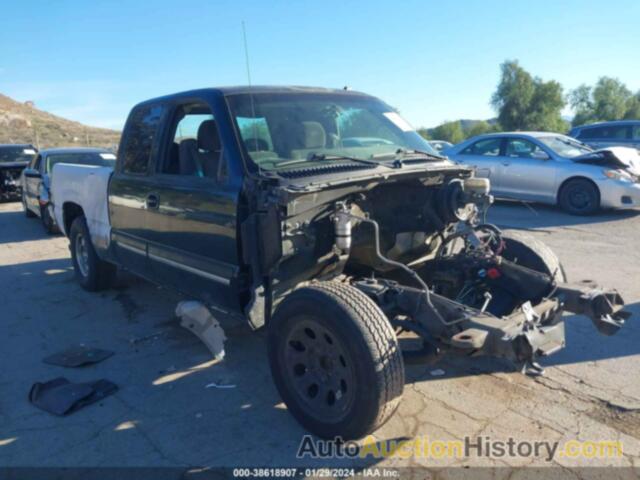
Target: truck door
{"x":131,"y":190}
{"x":192,"y":222}
{"x":32,"y":178}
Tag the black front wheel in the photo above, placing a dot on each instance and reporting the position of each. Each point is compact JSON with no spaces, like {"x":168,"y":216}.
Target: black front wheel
{"x":531,"y":253}
{"x":48,"y":222}
{"x":28,"y":213}
{"x":579,"y":197}
{"x":335,"y":360}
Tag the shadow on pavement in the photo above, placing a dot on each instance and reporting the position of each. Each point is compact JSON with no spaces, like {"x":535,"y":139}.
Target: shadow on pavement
{"x":511,"y":214}
{"x":15,"y":227}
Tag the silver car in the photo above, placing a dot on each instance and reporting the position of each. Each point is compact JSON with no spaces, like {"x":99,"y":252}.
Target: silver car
{"x":555,"y":169}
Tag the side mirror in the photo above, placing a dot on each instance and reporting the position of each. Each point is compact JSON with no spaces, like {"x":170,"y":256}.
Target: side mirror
{"x":32,"y":173}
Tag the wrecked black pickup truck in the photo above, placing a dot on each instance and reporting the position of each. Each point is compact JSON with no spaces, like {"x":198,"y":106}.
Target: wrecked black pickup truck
{"x":322,"y":216}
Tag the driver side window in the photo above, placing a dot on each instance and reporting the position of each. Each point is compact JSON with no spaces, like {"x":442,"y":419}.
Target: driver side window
{"x":520,"y":148}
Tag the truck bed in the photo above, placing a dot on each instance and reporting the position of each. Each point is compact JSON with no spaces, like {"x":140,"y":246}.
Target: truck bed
{"x":87,"y":187}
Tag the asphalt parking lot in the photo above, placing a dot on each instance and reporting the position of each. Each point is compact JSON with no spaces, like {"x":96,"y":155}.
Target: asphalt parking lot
{"x":163,"y":415}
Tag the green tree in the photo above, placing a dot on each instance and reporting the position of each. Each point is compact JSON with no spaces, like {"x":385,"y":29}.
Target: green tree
{"x":633,"y":108}
{"x":448,"y":131}
{"x":480,"y":128}
{"x":524,"y":102}
{"x":609,"y":99}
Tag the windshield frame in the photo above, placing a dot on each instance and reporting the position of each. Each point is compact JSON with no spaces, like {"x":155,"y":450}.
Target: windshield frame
{"x":17,"y":148}
{"x":567,"y":140}
{"x":252,"y":166}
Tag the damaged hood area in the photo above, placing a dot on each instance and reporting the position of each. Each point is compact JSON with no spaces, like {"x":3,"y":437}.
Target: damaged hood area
{"x":13,"y":165}
{"x":615,"y":157}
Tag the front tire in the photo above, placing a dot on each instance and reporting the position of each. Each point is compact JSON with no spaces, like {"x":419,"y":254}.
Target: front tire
{"x":530,"y":253}
{"x":579,"y":197}
{"x":335,"y":360}
{"x":92,"y":273}
{"x":48,"y":222}
{"x":28,"y":213}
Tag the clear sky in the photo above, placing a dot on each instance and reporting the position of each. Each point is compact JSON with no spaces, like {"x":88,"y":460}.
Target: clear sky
{"x":91,"y":60}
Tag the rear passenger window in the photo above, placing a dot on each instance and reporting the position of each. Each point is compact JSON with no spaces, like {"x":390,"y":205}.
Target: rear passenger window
{"x":488,"y":147}
{"x":141,"y":131}
{"x":636,"y":132}
{"x":605,"y":132}
{"x":195,"y":147}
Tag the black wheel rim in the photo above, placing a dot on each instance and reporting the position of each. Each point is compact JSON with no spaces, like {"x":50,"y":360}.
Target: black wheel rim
{"x":319,"y":370}
{"x":580,"y":199}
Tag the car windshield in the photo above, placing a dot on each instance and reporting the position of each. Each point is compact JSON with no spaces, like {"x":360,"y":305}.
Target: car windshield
{"x":284,"y":129}
{"x":98,"y":159}
{"x":565,"y":146}
{"x":16,"y":154}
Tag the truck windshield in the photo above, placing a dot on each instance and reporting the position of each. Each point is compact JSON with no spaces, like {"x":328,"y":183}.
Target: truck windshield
{"x":285,"y":129}
{"x":16,"y":154}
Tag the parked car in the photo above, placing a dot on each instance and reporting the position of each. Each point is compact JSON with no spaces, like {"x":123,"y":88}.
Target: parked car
{"x":246,"y":199}
{"x":555,"y":169}
{"x":620,"y":133}
{"x":440,"y":145}
{"x":36,"y":179}
{"x":13,"y":159}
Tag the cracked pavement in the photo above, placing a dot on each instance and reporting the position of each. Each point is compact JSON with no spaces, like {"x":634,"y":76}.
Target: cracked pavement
{"x":163,"y":415}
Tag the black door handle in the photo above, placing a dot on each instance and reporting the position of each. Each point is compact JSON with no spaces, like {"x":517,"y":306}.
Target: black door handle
{"x":152,"y":201}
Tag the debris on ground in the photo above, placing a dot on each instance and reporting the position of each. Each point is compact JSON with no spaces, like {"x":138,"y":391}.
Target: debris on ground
{"x":62,"y":397}
{"x":151,"y":336}
{"x":77,"y":356}
{"x":197,"y":318}
{"x":219,"y":385}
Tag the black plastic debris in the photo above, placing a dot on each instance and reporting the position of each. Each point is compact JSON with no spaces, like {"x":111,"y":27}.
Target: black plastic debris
{"x":77,"y":356}
{"x":61,"y":397}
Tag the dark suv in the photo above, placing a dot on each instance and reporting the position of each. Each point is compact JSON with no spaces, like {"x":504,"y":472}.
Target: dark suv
{"x":620,"y":133}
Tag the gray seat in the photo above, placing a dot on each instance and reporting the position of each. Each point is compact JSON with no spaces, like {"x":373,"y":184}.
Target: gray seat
{"x":201,"y":157}
{"x":314,"y":135}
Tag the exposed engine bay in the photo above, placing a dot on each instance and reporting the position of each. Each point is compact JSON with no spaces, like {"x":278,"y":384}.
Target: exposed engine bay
{"x":10,"y":182}
{"x":419,"y":248}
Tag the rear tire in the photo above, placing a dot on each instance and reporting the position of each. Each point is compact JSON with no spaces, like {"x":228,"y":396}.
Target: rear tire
{"x":335,"y":360}
{"x":92,"y":273}
{"x":28,"y":213}
{"x":579,"y":197}
{"x":48,"y":222}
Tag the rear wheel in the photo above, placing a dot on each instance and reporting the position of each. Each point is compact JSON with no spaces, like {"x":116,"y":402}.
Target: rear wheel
{"x":335,"y":360}
{"x":92,"y":273}
{"x":579,"y":197}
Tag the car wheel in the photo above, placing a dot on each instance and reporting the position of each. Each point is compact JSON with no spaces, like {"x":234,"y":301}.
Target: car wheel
{"x":579,"y":197}
{"x":28,"y":213}
{"x":48,"y":222}
{"x":92,"y":273}
{"x":531,"y":253}
{"x":335,"y":360}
